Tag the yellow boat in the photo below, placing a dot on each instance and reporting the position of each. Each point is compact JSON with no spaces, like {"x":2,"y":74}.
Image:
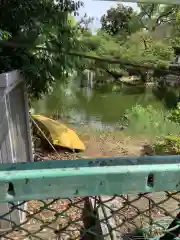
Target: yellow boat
{"x":58,"y":133}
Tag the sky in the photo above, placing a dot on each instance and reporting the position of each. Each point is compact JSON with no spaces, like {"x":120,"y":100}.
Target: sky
{"x":96,"y":8}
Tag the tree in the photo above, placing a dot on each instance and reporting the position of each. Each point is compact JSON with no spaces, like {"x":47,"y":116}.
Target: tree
{"x":175,"y":33}
{"x":120,"y":21}
{"x":140,"y":49}
{"x":153,"y":15}
{"x":85,"y":23}
{"x":43,"y":29}
{"x":102,"y":45}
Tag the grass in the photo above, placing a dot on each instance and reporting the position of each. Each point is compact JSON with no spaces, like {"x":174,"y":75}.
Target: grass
{"x":149,"y":122}
{"x":143,"y":123}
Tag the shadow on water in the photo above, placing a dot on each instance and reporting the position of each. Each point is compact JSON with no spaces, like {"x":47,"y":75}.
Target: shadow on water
{"x":168,"y":96}
{"x":135,"y":90}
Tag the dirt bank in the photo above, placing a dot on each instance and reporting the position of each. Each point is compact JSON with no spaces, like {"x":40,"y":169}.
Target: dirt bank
{"x":101,"y":145}
{"x":112,"y":146}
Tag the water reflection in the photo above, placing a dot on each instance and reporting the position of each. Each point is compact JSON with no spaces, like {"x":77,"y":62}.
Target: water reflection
{"x":97,"y":107}
{"x":168,"y":96}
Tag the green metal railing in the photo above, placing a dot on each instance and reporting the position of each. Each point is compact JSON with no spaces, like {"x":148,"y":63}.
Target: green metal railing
{"x":118,"y":198}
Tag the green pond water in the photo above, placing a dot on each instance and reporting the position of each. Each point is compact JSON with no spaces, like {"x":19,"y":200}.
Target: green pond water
{"x":99,"y":108}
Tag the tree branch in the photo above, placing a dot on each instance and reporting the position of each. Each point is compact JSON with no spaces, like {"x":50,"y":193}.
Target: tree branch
{"x":151,"y":10}
{"x":164,"y":15}
{"x":82,"y":55}
{"x":113,"y":74}
{"x":145,"y":44}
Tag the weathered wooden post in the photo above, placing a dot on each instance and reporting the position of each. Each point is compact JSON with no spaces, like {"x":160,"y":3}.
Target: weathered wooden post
{"x":15,"y":137}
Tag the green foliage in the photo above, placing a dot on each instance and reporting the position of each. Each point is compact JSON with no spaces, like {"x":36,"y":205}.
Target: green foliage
{"x":168,"y":145}
{"x":120,"y":21}
{"x":153,"y":123}
{"x":150,"y":122}
{"x":174,"y":115}
{"x":48,"y":30}
{"x":43,"y":24}
{"x":152,"y":16}
{"x":139,"y":48}
{"x":102,"y":45}
{"x":175,"y":34}
{"x":129,"y":37}
{"x":142,"y":49}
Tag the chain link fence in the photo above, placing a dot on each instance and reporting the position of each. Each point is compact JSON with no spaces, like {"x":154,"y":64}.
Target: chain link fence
{"x":133,"y":216}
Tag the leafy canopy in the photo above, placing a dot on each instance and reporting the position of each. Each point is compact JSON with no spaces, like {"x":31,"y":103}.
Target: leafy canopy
{"x":142,"y":38}
{"x":47,"y":30}
{"x":38,"y":23}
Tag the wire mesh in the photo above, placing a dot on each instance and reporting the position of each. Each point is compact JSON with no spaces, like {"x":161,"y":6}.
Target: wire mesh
{"x":133,"y":216}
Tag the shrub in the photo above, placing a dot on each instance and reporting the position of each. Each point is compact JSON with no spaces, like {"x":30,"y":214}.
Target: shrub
{"x":169,"y":145}
{"x":174,"y":115}
{"x":150,"y":122}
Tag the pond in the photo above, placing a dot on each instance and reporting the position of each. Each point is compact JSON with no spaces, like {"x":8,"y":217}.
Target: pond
{"x":96,"y":107}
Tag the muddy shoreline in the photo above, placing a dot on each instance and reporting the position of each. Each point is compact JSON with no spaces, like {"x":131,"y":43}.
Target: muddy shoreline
{"x":99,"y":145}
